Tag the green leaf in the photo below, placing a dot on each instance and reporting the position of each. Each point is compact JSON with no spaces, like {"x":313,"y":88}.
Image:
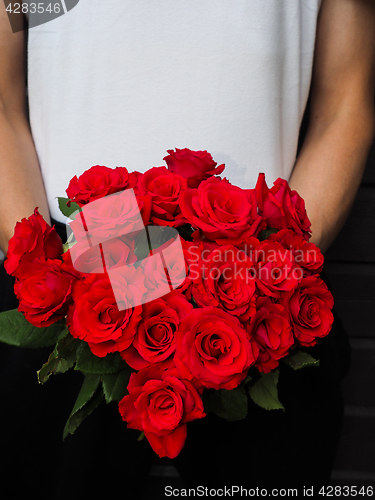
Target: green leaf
{"x":16,"y":330}
{"x":141,"y":436}
{"x":115,"y":385}
{"x":88,"y":399}
{"x":71,"y":241}
{"x":230,"y":405}
{"x":151,"y":238}
{"x":62,"y":358}
{"x":66,"y":210}
{"x":300,"y":359}
{"x":264,"y":391}
{"x":266,"y":233}
{"x":89,"y":363}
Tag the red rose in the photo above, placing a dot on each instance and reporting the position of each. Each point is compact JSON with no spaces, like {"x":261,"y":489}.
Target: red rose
{"x":281,"y":207}
{"x":160,"y":404}
{"x":221,"y":210}
{"x":275,"y":269}
{"x":225,"y":281}
{"x":307,"y":255}
{"x":213,"y":347}
{"x":164,"y":187}
{"x":99,"y":181}
{"x":271,"y":329}
{"x":195,"y":166}
{"x":246,"y":244}
{"x":44,"y":289}
{"x":112,"y":253}
{"x":32,"y":238}
{"x":154,"y":342}
{"x":310,"y":308}
{"x":107,"y":324}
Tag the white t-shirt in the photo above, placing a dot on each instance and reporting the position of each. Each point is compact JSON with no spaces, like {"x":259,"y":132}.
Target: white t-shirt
{"x":118,"y":82}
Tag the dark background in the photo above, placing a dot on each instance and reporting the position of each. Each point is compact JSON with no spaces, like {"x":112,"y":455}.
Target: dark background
{"x":350,"y":266}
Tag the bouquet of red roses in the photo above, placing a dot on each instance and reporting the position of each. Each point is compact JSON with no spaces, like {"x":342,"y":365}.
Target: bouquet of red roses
{"x":176,"y":293}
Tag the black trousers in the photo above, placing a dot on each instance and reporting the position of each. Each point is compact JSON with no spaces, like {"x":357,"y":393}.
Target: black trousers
{"x":294,"y":448}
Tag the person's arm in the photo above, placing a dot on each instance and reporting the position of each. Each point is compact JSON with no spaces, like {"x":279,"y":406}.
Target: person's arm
{"x":21,"y":185}
{"x":329,"y":168}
